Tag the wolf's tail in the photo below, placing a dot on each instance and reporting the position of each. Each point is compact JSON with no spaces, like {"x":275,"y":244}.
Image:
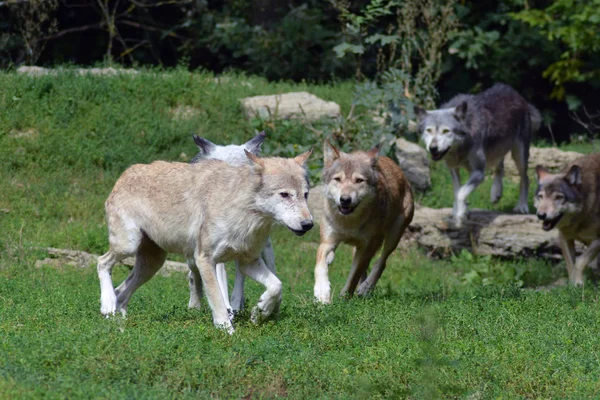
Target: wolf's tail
{"x":536,"y":119}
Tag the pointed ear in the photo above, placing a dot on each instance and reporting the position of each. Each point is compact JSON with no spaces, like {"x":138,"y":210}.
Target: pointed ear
{"x":419,"y":112}
{"x":330,"y":153}
{"x":374,"y":152}
{"x":256,"y":160}
{"x":573,"y":177}
{"x":301,"y":159}
{"x":541,"y":172}
{"x":460,"y":112}
{"x":253,"y":145}
{"x":206,"y":146}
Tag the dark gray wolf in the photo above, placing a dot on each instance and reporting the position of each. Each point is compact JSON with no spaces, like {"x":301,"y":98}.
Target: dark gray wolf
{"x":234,"y":155}
{"x":475,"y":132}
{"x":210,"y":212}
{"x":570,"y":201}
{"x":368,"y":203}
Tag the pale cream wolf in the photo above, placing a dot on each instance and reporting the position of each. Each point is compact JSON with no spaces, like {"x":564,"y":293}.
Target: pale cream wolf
{"x":209,"y":211}
{"x":368,"y":203}
{"x":570,"y":200}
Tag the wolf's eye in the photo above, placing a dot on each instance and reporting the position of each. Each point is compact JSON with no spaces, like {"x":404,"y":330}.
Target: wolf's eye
{"x":445,"y":130}
{"x":359,"y":180}
{"x":428,"y":130}
{"x":337,"y":179}
{"x":559,"y":197}
{"x":284,"y":194}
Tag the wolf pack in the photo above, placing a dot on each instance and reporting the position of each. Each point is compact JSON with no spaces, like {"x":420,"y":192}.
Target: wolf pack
{"x":221,"y":206}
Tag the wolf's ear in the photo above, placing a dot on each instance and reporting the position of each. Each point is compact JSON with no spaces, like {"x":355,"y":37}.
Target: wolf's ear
{"x":330,"y":153}
{"x":541,"y":172}
{"x":374,"y":153}
{"x":419,"y":112}
{"x":206,"y":146}
{"x":253,"y":145}
{"x":460,"y":112}
{"x":301,"y":159}
{"x":256,"y":160}
{"x":574,"y":176}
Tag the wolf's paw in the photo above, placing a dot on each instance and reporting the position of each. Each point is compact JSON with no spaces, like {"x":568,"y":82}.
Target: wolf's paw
{"x":323,"y":293}
{"x":237,"y":303}
{"x":364,"y":289}
{"x":108,"y":304}
{"x":496,"y":195}
{"x":258,"y":315}
{"x":521,"y":209}
{"x":227,"y":326}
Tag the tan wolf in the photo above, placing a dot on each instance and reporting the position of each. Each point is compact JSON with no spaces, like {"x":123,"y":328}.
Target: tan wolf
{"x":210,"y":212}
{"x":570,"y":200}
{"x":368,"y":202}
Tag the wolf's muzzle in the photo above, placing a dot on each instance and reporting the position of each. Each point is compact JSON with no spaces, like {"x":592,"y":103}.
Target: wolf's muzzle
{"x":436,"y":154}
{"x":306,"y":225}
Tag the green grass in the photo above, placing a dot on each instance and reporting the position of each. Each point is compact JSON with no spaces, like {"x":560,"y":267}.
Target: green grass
{"x":461,"y":327}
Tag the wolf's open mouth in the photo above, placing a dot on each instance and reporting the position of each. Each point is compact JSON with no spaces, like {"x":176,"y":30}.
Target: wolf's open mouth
{"x":548,"y":224}
{"x":438,"y":155}
{"x":345,"y":210}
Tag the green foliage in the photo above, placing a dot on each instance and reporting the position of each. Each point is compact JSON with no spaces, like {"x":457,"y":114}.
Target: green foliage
{"x":406,"y":36}
{"x":574,"y":24}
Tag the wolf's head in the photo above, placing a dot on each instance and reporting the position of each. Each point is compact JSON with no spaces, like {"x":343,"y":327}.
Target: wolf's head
{"x":557,"y":195}
{"x":284,"y":190}
{"x":351,"y":179}
{"x":232,"y":154}
{"x":442,"y":130}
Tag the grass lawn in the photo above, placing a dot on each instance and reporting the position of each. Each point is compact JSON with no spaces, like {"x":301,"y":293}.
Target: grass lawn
{"x":462,"y":327}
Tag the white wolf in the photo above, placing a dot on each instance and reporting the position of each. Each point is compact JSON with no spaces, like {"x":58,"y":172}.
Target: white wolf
{"x":232,"y":154}
{"x":208,"y":211}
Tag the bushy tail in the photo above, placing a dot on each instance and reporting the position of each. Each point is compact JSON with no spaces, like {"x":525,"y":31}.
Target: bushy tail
{"x":536,"y":119}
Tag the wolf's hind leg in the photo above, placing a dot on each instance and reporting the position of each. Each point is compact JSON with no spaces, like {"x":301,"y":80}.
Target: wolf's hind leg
{"x":195,"y":283}
{"x":496,"y":192}
{"x":269,"y":301}
{"x":520,"y":153}
{"x":123,"y":243}
{"x":149,"y":259}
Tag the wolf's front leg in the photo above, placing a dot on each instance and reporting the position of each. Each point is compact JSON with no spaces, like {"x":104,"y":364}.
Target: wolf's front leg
{"x":269,"y":301}
{"x":325,"y":256}
{"x":460,"y":212}
{"x":221,"y":316}
{"x":568,"y":250}
{"x":583,"y":260}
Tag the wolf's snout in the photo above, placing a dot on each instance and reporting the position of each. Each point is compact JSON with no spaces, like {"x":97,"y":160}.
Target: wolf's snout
{"x":433,"y":149}
{"x":307,"y":225}
{"x":541,"y":216}
{"x":345,"y":200}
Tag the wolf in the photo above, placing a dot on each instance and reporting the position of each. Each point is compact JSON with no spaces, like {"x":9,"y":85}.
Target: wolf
{"x":368,"y":203}
{"x":233,"y":155}
{"x":570,"y":201}
{"x":475,"y":132}
{"x":210,"y":212}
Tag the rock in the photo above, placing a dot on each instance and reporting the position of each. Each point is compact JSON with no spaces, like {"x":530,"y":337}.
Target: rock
{"x":414,"y":163}
{"x":486,"y":232}
{"x":40,"y":71}
{"x":549,"y":157}
{"x":290,"y":105}
{"x":81,"y":259}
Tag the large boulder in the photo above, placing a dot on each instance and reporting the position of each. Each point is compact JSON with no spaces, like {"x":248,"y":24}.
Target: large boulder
{"x":549,"y":157}
{"x":414,"y":163}
{"x":302,"y":105}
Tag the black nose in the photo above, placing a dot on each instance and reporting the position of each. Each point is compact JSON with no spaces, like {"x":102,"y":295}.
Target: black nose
{"x":306,"y":225}
{"x":433,"y":149}
{"x":345,"y":200}
{"x":541,"y":216}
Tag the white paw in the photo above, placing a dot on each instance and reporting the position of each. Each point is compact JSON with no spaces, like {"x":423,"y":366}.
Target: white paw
{"x":323,"y":292}
{"x":226,"y":326}
{"x":108,"y":303}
